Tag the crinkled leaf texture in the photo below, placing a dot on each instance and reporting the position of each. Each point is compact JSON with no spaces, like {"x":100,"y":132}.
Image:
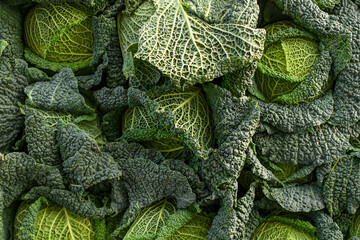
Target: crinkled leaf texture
{"x":61,"y":94}
{"x":12,"y":75}
{"x":181,"y":114}
{"x":325,"y":226}
{"x":147,"y":180}
{"x":323,"y":144}
{"x":44,"y":219}
{"x":192,"y":42}
{"x":40,"y":130}
{"x":230,"y":222}
{"x":341,"y":188}
{"x":298,"y":118}
{"x":235,"y":121}
{"x":303,"y":198}
{"x":84,"y":165}
{"x":19,"y":173}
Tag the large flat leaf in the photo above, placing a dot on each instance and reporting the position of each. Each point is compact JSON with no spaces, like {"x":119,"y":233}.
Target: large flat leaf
{"x":185,"y":42}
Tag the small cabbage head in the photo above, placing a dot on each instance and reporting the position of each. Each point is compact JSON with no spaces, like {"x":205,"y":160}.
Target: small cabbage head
{"x":279,"y":227}
{"x":48,"y":220}
{"x":163,"y":220}
{"x":290,"y":54}
{"x":59,"y":33}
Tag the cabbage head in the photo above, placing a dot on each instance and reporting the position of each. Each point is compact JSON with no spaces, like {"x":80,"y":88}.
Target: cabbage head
{"x":59,"y":33}
{"x":285,"y":228}
{"x":43,"y":220}
{"x":163,"y":221}
{"x":291,"y":54}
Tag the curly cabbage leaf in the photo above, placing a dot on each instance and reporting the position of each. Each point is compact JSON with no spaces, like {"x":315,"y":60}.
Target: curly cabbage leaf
{"x":40,"y":130}
{"x":20,"y":172}
{"x":278,"y":227}
{"x":181,"y":114}
{"x":303,"y":198}
{"x":191,"y":42}
{"x":59,"y":33}
{"x":84,"y":165}
{"x":235,"y":121}
{"x":298,"y":118}
{"x":147,"y":180}
{"x":230,"y":221}
{"x":325,"y":226}
{"x":13,"y":78}
{"x":341,"y":188}
{"x":61,"y":94}
{"x":45,"y":219}
{"x":330,"y":4}
{"x":323,"y":144}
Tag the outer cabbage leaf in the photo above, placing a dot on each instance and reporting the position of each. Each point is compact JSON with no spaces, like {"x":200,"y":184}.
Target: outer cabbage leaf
{"x":298,"y":118}
{"x":235,"y":122}
{"x":40,"y":130}
{"x":12,"y":75}
{"x":192,"y":42}
{"x":141,"y":74}
{"x":257,"y":168}
{"x":304,"y":198}
{"x":146,"y":181}
{"x":325,"y":226}
{"x":323,"y":144}
{"x":12,"y":84}
{"x":347,"y":88}
{"x":61,"y":94}
{"x":84,"y":165}
{"x":181,"y":114}
{"x":44,"y":219}
{"x":110,"y":99}
{"x":230,"y":222}
{"x":238,"y":82}
{"x":341,"y":188}
{"x":20,"y":172}
{"x":254,"y":221}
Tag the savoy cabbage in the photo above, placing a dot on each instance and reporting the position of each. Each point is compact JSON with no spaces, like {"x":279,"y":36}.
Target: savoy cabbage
{"x":179,"y":119}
